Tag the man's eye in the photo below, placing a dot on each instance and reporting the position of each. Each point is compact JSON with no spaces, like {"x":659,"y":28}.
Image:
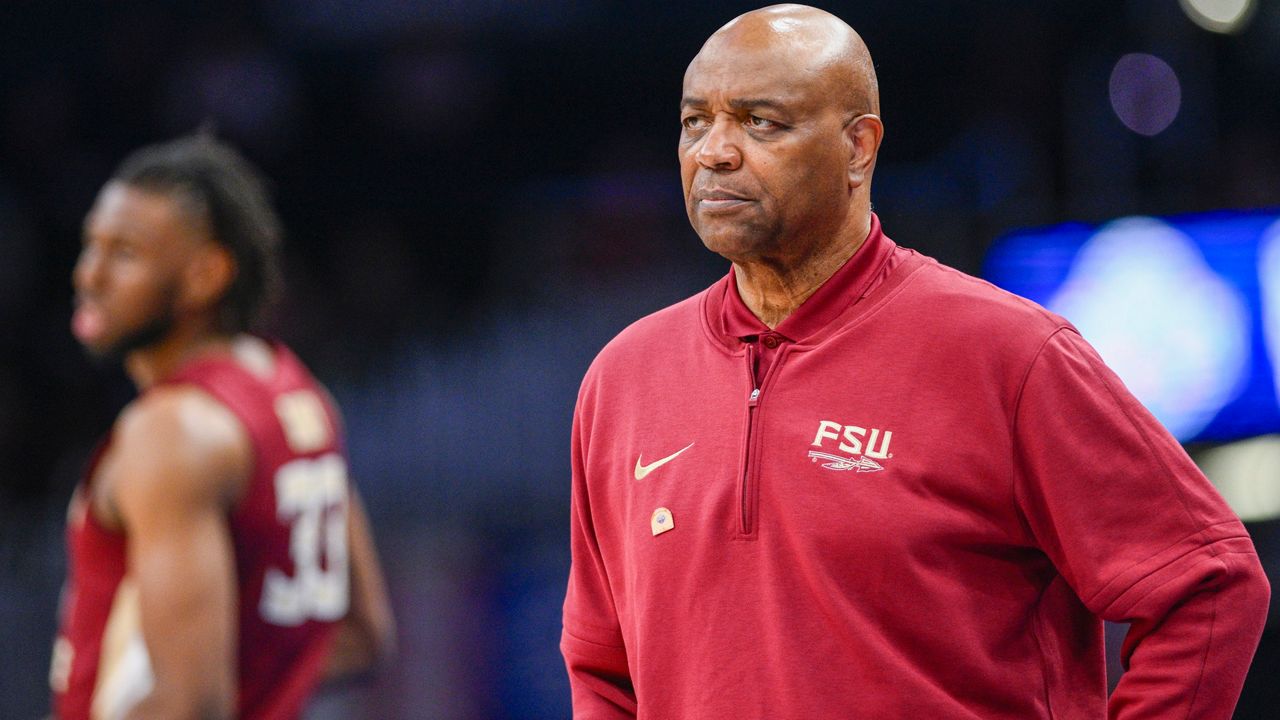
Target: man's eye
{"x":693,"y":122}
{"x":759,"y":123}
{"x":124,"y":252}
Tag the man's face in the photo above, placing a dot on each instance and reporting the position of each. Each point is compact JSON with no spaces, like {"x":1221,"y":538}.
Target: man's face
{"x":763,"y":155}
{"x":127,"y":279}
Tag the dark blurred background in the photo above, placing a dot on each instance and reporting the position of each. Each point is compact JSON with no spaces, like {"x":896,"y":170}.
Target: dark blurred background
{"x":478,"y":194}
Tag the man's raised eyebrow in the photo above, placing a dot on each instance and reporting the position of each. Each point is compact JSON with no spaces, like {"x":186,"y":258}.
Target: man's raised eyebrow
{"x":736,"y":104}
{"x":752,"y":103}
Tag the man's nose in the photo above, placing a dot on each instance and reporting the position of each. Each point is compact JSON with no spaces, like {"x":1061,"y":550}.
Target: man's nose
{"x":720,"y":148}
{"x":88,"y":270}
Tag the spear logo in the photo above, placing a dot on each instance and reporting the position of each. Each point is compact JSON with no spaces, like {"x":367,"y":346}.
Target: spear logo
{"x":837,"y":462}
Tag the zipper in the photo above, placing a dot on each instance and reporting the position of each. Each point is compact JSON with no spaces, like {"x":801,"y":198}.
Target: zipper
{"x":747,"y":518}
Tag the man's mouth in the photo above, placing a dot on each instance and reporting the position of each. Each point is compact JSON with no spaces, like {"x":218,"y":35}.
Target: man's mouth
{"x":721,"y":200}
{"x":719,"y":194}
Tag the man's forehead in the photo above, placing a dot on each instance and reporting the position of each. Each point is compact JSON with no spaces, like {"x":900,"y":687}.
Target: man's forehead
{"x":747,"y":76}
{"x":739,"y":49}
{"x":140,"y":214}
{"x":124,"y":203}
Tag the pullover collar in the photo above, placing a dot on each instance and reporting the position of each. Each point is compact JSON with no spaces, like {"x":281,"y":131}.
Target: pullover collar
{"x":859,"y":275}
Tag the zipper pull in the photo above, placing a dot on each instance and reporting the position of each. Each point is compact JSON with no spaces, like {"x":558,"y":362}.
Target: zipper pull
{"x":754,"y":399}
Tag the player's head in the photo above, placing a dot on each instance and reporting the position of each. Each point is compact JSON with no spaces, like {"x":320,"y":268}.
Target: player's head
{"x":183,"y":233}
{"x":779,"y":133}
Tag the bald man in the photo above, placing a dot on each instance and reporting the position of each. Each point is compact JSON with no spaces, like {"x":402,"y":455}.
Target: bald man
{"x":846,"y":481}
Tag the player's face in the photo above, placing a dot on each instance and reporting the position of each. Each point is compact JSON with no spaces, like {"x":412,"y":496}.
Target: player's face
{"x":763,"y":156}
{"x":128,"y":276}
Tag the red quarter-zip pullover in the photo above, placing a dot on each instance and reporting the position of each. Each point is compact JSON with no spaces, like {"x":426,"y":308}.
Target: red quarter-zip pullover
{"x":922,"y":509}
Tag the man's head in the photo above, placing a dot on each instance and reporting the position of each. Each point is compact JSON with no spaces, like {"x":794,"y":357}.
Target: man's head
{"x":182,"y":233}
{"x":779,"y":135}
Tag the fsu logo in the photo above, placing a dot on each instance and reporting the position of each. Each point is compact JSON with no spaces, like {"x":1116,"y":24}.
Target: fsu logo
{"x":862,"y":447}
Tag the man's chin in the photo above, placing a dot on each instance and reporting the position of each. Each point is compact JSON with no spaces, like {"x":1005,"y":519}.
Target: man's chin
{"x":113,"y":352}
{"x":733,"y":246}
{"x":102,"y":354}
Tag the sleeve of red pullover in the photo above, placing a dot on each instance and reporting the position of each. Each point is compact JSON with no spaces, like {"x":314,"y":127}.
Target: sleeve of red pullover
{"x":599,"y":678}
{"x":1139,"y":534}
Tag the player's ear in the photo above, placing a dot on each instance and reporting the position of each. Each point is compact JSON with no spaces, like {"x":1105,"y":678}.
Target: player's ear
{"x":862,"y":136}
{"x":209,"y":274}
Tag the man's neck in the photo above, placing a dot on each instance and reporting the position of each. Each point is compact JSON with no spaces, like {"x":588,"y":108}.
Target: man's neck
{"x":150,"y":365}
{"x":772,"y":289}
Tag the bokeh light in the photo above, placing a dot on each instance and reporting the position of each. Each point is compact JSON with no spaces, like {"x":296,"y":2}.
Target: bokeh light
{"x":1133,"y":291}
{"x":1220,"y":16}
{"x":1145,"y":93}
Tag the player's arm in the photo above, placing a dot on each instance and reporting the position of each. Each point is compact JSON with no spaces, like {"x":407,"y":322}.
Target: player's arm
{"x":599,"y":675}
{"x":1140,"y":535}
{"x":181,"y":460}
{"x":366,"y":637}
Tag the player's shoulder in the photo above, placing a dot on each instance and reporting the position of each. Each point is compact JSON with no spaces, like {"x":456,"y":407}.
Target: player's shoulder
{"x":174,"y":411}
{"x":176,"y":432}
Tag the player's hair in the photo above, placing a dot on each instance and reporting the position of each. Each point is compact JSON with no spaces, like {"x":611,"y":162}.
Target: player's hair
{"x":216,"y":181}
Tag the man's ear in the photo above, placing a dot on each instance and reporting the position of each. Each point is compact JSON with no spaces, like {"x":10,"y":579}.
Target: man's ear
{"x":863,"y":135}
{"x":209,"y":275}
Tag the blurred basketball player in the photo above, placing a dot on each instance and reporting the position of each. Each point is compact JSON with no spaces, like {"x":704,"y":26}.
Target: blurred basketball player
{"x":220,"y":564}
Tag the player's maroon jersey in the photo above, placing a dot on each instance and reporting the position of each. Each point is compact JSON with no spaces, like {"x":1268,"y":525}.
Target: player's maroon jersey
{"x":290,"y":537}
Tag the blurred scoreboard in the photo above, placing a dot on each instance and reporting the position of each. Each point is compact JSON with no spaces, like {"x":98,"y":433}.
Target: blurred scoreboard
{"x":1185,"y":309}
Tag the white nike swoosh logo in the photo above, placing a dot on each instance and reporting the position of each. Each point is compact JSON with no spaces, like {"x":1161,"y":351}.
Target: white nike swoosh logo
{"x":643,"y":470}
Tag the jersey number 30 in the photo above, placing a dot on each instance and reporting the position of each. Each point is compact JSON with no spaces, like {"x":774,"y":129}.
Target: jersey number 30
{"x":311,"y":496}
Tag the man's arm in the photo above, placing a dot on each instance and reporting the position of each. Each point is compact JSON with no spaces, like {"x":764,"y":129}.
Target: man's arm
{"x":599,"y":677}
{"x":180,"y":460}
{"x":1139,"y":533}
{"x":366,"y":636}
